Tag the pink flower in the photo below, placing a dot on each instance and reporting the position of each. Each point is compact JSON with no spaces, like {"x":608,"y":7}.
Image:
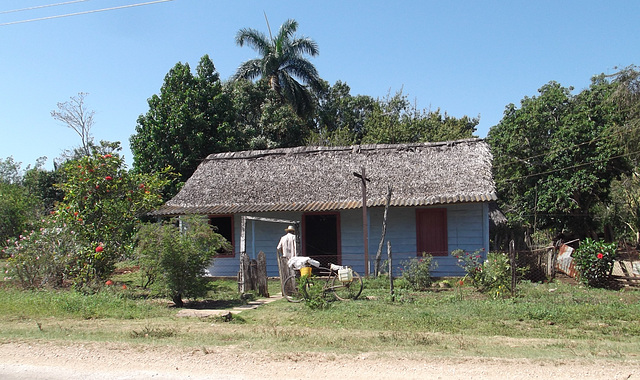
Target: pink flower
{"x":99,"y":249}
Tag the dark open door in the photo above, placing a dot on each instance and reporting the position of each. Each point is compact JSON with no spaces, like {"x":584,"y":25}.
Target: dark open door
{"x":321,"y":237}
{"x":431,"y":231}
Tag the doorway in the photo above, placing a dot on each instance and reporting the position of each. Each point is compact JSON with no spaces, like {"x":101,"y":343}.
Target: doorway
{"x":321,"y":238}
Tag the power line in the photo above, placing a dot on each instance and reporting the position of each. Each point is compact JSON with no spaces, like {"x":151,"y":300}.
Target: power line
{"x":595,"y":139}
{"x":42,"y":6}
{"x":570,"y":167}
{"x":85,"y":12}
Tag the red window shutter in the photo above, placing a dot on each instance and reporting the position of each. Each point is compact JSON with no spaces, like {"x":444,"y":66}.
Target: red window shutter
{"x":431,"y":231}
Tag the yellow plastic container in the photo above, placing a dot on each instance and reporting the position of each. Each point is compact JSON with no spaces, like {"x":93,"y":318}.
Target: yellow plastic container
{"x":305,"y":271}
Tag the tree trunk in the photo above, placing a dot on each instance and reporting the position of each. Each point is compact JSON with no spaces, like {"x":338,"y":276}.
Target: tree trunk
{"x":177,"y":299}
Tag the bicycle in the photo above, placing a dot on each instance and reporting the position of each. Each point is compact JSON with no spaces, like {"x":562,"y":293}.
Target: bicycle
{"x":341,"y":281}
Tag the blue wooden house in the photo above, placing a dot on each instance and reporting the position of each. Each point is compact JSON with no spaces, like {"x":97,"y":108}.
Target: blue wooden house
{"x":439,"y":201}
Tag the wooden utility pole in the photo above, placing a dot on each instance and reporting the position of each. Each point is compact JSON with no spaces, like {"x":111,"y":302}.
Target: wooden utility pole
{"x":376,"y":268}
{"x":365,"y":223}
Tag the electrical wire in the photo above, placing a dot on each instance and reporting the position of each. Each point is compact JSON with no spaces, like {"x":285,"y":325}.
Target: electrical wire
{"x":85,"y":12}
{"x":568,"y":167}
{"x":42,"y":6}
{"x":595,"y":139}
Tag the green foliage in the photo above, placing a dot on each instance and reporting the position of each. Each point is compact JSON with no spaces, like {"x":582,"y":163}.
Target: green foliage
{"x":417,"y":272}
{"x":91,"y":228}
{"x":344,"y":120}
{"x":492,"y":276}
{"x":594,"y":261}
{"x":191,"y":118}
{"x":282,"y":64}
{"x":556,"y":156}
{"x":45,"y":256}
{"x":313,"y":291}
{"x":472,"y":263}
{"x":19,"y":207}
{"x":176,"y":260}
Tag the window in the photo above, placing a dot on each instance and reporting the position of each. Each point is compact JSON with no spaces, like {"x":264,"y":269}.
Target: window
{"x":431,"y":231}
{"x":223,"y":224}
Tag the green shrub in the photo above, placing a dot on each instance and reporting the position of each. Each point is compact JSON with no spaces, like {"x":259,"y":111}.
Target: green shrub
{"x":472,"y":263}
{"x":176,"y":259}
{"x":492,"y":275}
{"x":417,"y":272}
{"x":314,"y":294}
{"x":594,"y":262}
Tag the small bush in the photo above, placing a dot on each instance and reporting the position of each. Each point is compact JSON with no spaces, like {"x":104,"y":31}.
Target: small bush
{"x":314,"y":294}
{"x":417,"y":272}
{"x":594,"y":262}
{"x":176,"y":259}
{"x":490,"y":276}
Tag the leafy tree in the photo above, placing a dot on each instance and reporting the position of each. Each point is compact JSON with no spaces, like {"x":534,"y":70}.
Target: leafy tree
{"x":19,"y":209}
{"x":91,"y":228}
{"x":555,"y":158}
{"x":394,"y":120}
{"x":623,"y":212}
{"x":190,"y":119}
{"x":281,"y":61}
{"x":340,"y":116}
{"x":263,"y":120}
{"x":177,"y":259}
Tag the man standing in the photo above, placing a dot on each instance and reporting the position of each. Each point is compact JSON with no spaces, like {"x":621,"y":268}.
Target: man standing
{"x":287,"y":244}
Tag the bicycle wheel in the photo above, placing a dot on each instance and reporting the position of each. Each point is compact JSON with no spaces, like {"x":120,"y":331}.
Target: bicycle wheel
{"x":291,"y":290}
{"x":347,"y":290}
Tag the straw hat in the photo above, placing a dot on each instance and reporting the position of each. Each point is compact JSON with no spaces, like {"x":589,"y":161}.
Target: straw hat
{"x":290,"y":229}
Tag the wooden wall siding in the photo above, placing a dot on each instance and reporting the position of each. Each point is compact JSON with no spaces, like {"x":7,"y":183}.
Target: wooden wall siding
{"x":467,"y":229}
{"x":261,"y":236}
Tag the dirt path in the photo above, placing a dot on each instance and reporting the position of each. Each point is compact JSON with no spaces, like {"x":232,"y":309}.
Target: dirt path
{"x":51,"y":361}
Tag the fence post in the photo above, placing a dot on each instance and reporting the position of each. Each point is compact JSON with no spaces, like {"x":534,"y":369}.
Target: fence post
{"x":263,"y":289}
{"x":512,"y":261}
{"x":390,"y":257}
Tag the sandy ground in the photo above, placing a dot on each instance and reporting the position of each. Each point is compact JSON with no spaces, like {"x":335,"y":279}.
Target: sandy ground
{"x":55,"y":361}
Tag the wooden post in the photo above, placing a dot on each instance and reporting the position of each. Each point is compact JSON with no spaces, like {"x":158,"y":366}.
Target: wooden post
{"x":283,"y":270}
{"x":244,"y":280}
{"x":376,"y":268}
{"x":365,"y":222}
{"x":512,"y":261}
{"x":393,"y":296}
{"x":263,"y":289}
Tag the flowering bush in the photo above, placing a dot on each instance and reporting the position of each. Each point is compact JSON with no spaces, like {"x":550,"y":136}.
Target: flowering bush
{"x":594,"y":262}
{"x":490,"y":276}
{"x":417,"y":272}
{"x":42,"y":258}
{"x":93,"y":226}
{"x":471,"y":262}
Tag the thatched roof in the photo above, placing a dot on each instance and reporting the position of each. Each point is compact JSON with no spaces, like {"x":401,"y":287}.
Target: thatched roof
{"x":322,"y":178}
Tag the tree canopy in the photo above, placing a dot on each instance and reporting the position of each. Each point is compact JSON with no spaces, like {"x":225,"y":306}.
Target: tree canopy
{"x":282,"y":64}
{"x":191,"y":118}
{"x":555,"y":157}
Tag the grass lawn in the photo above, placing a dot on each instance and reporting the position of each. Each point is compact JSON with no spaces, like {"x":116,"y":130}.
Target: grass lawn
{"x":546,"y":321}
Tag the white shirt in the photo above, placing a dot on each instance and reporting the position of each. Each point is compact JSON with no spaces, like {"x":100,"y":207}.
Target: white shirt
{"x":287,"y":245}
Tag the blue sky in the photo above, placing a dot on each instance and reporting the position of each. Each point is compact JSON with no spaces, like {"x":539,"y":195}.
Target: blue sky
{"x":465,"y":57}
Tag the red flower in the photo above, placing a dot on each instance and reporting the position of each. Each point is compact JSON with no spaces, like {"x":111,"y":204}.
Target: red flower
{"x":107,"y":156}
{"x":109,"y":283}
{"x":600,"y":255}
{"x":124,"y":286}
{"x":108,"y":178}
{"x":99,"y":249}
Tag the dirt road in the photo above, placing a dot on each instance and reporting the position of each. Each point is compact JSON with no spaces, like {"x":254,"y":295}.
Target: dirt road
{"x":54,"y":361}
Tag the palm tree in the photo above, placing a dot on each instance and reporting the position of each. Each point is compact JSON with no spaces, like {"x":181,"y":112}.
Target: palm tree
{"x":281,"y":63}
